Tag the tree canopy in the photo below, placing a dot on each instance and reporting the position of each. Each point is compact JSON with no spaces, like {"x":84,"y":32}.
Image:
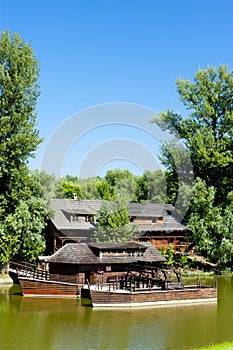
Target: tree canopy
{"x":22,"y":212}
{"x":207,"y":134}
{"x":208,"y":129}
{"x":113,"y":223}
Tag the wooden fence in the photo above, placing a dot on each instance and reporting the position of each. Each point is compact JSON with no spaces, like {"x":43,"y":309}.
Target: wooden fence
{"x":25,"y":269}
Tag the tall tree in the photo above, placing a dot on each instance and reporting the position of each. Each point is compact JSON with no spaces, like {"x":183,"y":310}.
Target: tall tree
{"x":19,"y":137}
{"x":211,"y":226}
{"x":151,"y":187}
{"x":208,"y":130}
{"x":67,"y":189}
{"x":121,"y":182}
{"x":113,"y":223}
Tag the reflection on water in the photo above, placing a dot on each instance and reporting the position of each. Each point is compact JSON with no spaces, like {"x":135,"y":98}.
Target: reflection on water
{"x":63,"y":324}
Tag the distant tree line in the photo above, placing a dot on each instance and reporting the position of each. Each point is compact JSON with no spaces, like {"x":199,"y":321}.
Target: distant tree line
{"x":151,"y":186}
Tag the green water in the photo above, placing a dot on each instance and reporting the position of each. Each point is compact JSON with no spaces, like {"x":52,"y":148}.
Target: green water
{"x":61,"y":324}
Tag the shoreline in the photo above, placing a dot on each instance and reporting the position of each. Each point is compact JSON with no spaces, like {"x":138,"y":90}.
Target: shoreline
{"x":5,"y":280}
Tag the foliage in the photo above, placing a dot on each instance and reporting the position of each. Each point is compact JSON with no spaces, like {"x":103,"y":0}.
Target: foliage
{"x":221,"y":346}
{"x":169,"y":254}
{"x":174,"y":259}
{"x":151,"y":186}
{"x":22,"y":210}
{"x":26,"y":224}
{"x":113,"y":223}
{"x":104,"y":190}
{"x":208,"y":130}
{"x":8,"y":242}
{"x":18,"y":93}
{"x":183,"y":261}
{"x":121,"y":182}
{"x":21,"y":230}
{"x":211,"y":225}
{"x":88,"y":188}
{"x":207,"y":134}
{"x":176,"y":158}
{"x":48,"y":184}
{"x":67,"y":189}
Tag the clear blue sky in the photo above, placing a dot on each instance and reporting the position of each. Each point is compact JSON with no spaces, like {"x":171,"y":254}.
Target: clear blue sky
{"x":101,"y":51}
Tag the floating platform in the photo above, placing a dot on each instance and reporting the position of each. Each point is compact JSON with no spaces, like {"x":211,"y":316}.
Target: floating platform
{"x":153,"y":297}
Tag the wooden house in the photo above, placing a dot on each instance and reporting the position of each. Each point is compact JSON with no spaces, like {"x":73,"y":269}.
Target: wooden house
{"x":100,"y":262}
{"x":75,"y":221}
{"x":159,"y":224}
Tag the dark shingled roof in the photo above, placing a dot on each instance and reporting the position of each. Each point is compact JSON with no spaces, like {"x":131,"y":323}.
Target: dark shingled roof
{"x":149,"y":209}
{"x":74,"y":253}
{"x":152,"y":254}
{"x":82,"y":254}
{"x":65,"y":208}
{"x":115,"y":245}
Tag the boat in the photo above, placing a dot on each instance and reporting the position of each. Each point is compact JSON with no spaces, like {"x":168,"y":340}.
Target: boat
{"x":48,"y":288}
{"x":173,"y":294}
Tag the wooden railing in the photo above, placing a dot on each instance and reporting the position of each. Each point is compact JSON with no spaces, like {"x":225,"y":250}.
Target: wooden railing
{"x":25,"y":269}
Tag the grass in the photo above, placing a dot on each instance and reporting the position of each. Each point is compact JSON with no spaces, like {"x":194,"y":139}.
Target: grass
{"x":222,"y":346}
{"x":4,"y":276}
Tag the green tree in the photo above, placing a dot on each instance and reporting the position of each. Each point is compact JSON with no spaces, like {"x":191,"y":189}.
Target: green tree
{"x":19,"y":140}
{"x":169,"y":254}
{"x":207,"y":134}
{"x":48,"y":184}
{"x":211,"y":226}
{"x":113,"y":223}
{"x":67,"y":189}
{"x":176,"y":158}
{"x":208,"y":130}
{"x":151,"y":187}
{"x":19,"y":137}
{"x":104,"y":190}
{"x":21,"y":230}
{"x":121,"y":182}
{"x":26,"y":224}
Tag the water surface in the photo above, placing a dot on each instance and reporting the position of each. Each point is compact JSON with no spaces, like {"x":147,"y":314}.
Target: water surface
{"x":66,"y":324}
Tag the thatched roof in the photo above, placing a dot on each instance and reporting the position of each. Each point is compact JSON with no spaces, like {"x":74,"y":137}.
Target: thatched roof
{"x":74,"y":253}
{"x":83,"y":254}
{"x":103,"y":246}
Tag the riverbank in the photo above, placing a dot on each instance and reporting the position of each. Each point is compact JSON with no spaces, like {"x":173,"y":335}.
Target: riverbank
{"x":5,"y":279}
{"x":222,"y":346}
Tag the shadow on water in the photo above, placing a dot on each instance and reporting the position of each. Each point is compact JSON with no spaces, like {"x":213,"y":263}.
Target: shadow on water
{"x":58,"y":324}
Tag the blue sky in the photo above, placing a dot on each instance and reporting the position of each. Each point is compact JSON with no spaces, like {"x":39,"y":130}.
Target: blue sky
{"x":95,"y":52}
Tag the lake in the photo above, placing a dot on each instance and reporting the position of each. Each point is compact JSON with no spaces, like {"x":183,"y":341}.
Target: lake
{"x":66,"y":324}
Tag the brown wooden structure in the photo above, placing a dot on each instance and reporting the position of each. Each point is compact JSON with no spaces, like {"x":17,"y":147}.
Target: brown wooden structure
{"x":100,"y":262}
{"x":39,"y":287}
{"x":75,"y":221}
{"x":152,"y":297}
